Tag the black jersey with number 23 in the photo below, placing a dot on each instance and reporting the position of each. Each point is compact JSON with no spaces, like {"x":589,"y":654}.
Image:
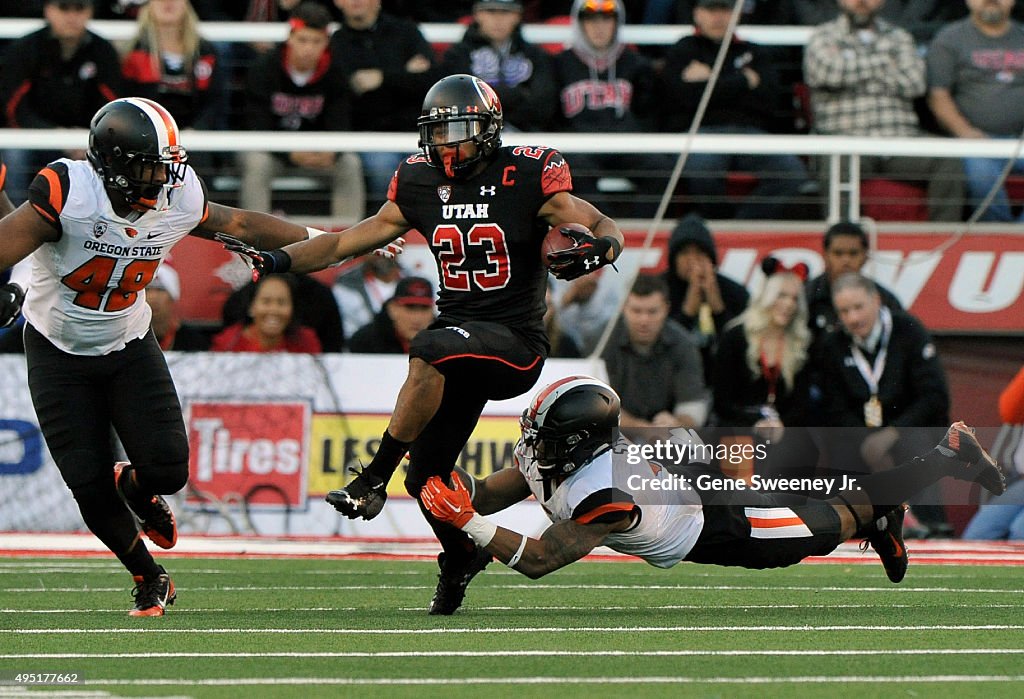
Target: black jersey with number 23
{"x":485,"y":234}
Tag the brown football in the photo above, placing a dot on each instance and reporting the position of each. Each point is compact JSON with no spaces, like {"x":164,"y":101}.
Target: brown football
{"x":555,"y":240}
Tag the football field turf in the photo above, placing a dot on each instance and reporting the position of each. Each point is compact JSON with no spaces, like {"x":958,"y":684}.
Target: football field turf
{"x":307,"y":627}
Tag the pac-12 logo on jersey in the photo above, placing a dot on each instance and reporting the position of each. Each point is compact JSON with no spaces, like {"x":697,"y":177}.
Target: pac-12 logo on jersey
{"x":444,"y":191}
{"x":99,"y":228}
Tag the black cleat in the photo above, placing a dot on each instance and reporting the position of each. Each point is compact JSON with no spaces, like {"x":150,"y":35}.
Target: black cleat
{"x":154,"y":515}
{"x":152,"y":595}
{"x":364,"y":496}
{"x":961,"y":444}
{"x":886,"y":538}
{"x":453,"y":580}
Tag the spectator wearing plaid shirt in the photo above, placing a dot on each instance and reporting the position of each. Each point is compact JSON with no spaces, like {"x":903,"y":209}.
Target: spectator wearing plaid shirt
{"x":864,"y":74}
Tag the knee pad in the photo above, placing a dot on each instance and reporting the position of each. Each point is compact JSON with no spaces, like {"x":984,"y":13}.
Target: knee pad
{"x":165,"y":470}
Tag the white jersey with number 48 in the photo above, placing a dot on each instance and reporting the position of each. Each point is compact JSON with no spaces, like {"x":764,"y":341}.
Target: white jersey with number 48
{"x":86,"y":293}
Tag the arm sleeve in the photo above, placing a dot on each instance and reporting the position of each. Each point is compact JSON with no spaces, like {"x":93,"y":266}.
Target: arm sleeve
{"x":555,"y":176}
{"x":49,"y":191}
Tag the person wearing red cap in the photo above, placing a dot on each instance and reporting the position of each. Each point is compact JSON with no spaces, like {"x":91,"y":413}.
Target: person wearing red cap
{"x":410,"y":310}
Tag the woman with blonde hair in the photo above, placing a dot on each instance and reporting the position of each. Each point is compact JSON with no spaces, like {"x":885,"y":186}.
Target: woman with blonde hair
{"x":761,"y":371}
{"x":169,"y":62}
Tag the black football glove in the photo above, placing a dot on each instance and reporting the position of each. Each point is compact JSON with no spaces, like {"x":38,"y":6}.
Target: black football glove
{"x":263,"y":262}
{"x":11,"y":298}
{"x":587,"y":255}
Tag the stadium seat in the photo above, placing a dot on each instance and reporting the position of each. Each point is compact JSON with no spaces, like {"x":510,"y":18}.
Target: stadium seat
{"x":889,"y":200}
{"x":1015,"y":190}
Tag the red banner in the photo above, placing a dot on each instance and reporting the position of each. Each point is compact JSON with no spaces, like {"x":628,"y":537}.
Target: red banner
{"x":254,"y":451}
{"x":969,"y":284}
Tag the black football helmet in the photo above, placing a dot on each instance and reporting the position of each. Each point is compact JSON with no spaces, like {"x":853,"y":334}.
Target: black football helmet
{"x":569,"y":424}
{"x":458,"y":109}
{"x":129,"y":139}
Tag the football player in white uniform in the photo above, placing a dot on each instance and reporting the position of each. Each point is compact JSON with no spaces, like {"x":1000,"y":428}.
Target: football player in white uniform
{"x":97,"y":231}
{"x":571,"y":459}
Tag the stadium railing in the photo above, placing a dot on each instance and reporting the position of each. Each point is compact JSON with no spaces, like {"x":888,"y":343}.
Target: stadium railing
{"x":640,"y":35}
{"x":845,"y":180}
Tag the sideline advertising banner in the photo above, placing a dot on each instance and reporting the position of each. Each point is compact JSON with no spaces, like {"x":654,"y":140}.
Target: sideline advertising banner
{"x":263,"y":453}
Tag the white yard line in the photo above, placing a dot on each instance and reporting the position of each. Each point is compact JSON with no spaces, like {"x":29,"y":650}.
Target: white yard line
{"x":516,"y":681}
{"x":526,"y":629}
{"x":519,"y":653}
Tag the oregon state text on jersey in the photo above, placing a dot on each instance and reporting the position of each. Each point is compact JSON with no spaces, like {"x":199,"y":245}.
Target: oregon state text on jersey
{"x":485,"y":233}
{"x":86,"y":294}
{"x":666,"y":522}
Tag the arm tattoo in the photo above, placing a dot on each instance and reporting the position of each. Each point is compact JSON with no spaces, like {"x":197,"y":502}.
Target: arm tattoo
{"x":568,"y":541}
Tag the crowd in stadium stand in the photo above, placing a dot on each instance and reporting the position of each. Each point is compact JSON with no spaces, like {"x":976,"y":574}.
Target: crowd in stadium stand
{"x":899,"y":68}
{"x":861,"y":73}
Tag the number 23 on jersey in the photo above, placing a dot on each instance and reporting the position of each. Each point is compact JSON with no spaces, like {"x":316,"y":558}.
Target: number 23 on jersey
{"x":452,"y":247}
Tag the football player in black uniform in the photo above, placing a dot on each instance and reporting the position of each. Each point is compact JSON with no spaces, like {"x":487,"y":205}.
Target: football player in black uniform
{"x":484,"y":210}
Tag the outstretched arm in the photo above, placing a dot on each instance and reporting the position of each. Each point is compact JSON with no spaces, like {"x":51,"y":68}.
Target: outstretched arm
{"x":498,"y":491}
{"x":257,"y":229}
{"x":324,"y":249}
{"x":369,"y":234}
{"x":561,"y":544}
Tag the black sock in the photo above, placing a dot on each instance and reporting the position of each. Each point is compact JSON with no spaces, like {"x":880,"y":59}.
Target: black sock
{"x":130,"y":487}
{"x":853,"y":513}
{"x":112,"y":523}
{"x":389,"y":455}
{"x":139,"y":561}
{"x":888,"y":489}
